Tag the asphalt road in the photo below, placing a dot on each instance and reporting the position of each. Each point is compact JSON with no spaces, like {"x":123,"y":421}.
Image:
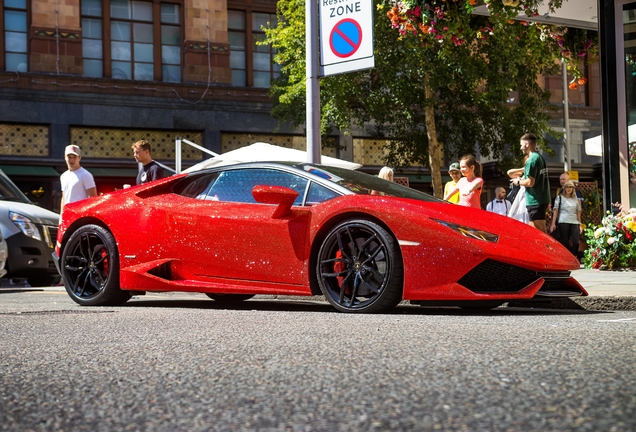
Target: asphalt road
{"x":183,"y":362}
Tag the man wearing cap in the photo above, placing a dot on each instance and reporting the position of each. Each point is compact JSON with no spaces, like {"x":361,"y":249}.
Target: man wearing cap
{"x":77,"y":183}
{"x":456,"y":174}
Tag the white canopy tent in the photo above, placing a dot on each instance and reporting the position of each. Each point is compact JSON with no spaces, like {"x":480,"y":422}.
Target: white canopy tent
{"x":572,"y":13}
{"x":264,"y":152}
{"x":594,"y":145}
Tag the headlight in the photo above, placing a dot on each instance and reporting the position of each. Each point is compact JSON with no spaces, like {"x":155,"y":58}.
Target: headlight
{"x":470,"y":232}
{"x":26,"y":226}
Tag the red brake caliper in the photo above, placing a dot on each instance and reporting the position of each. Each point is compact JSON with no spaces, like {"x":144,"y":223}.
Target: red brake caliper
{"x":338,"y":267}
{"x":105,"y":262}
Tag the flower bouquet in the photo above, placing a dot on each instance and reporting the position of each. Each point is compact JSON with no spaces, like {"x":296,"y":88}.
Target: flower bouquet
{"x":612,"y":243}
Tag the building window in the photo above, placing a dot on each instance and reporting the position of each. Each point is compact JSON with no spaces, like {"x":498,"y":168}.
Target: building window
{"x":170,"y":43}
{"x":252,"y":64}
{"x":92,"y":39}
{"x":15,"y":35}
{"x":236,"y":35}
{"x":263,"y":55}
{"x":142,"y":40}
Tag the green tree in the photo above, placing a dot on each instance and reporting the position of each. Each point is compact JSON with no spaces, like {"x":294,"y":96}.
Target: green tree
{"x":442,"y":83}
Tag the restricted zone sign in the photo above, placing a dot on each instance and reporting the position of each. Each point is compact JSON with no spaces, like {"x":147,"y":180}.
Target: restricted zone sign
{"x":346,"y":36}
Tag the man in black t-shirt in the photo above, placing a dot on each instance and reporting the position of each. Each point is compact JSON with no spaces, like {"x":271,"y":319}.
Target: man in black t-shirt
{"x":151,"y":170}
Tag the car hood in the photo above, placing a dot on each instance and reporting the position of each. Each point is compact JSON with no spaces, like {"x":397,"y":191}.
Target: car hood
{"x":38,"y":215}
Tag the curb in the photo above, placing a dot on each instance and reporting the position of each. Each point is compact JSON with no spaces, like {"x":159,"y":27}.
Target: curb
{"x":595,"y":303}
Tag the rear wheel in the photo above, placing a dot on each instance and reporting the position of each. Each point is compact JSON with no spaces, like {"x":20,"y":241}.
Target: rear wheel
{"x":229,"y":298}
{"x":359,"y":268}
{"x":90,"y":268}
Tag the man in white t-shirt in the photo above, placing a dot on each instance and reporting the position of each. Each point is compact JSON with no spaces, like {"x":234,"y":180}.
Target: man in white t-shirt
{"x":500,"y":204}
{"x":77,"y":183}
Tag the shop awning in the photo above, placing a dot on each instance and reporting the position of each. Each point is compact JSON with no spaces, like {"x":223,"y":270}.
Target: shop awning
{"x":29,"y":170}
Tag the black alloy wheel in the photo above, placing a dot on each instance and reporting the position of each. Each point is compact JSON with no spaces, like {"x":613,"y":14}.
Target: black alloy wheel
{"x":359,"y":268}
{"x":229,"y":298}
{"x":90,"y":268}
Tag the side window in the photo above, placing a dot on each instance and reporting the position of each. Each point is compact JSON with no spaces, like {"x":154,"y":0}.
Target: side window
{"x":318,"y":193}
{"x":237,"y":185}
{"x":198,"y":186}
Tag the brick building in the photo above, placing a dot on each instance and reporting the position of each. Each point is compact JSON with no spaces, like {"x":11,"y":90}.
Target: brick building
{"x":105,"y":73}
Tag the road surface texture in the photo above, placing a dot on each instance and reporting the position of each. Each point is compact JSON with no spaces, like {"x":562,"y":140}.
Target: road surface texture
{"x":181,"y":362}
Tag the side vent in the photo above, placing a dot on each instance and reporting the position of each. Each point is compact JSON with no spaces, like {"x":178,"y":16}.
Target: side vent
{"x":164,"y":271}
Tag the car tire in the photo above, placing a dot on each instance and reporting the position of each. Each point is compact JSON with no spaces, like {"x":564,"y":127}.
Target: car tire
{"x":229,"y":298}
{"x":90,"y":268}
{"x":359,"y":268}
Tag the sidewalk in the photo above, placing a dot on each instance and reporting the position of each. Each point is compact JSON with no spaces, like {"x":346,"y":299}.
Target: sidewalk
{"x":607,"y":282}
{"x":607,"y":289}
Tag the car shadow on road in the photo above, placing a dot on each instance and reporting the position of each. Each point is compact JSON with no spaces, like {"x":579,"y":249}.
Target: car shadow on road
{"x":318,"y":306}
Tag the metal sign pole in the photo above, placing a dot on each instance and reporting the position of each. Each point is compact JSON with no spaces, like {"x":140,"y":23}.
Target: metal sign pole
{"x":311,"y":82}
{"x":566,"y":118}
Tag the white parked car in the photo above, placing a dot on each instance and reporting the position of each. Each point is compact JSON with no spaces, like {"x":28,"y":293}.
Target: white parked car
{"x":3,"y":255}
{"x":30,"y":233}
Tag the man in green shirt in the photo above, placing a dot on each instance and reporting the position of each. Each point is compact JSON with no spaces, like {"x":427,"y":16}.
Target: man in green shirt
{"x":535,"y":180}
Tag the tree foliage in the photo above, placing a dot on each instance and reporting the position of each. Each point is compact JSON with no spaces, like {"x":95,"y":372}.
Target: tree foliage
{"x":480,"y":74}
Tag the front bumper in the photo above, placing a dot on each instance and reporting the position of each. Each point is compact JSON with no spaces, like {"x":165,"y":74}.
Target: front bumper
{"x":28,"y":257}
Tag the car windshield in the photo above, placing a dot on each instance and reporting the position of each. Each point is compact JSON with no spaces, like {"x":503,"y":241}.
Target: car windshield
{"x":9,"y":191}
{"x":366,"y":184}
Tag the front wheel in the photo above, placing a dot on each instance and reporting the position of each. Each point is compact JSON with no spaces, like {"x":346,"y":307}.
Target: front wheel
{"x":359,"y":268}
{"x":90,"y":268}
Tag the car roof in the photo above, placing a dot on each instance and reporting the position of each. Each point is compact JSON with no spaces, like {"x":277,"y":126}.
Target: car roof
{"x":292,"y":167}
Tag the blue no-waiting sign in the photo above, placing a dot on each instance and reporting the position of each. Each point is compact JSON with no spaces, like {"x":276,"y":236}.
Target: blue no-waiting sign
{"x":346,"y":36}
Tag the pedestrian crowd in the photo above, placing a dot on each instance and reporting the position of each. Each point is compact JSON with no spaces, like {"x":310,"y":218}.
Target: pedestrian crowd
{"x":529,"y":200}
{"x":77,"y":183}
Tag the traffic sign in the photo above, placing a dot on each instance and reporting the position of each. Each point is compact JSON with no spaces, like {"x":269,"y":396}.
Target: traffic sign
{"x":346,"y":36}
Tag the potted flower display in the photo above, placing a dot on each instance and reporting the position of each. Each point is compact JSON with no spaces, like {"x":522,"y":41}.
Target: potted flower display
{"x":612,"y":244}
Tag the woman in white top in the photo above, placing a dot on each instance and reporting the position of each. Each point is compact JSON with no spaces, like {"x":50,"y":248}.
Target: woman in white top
{"x":566,"y":217}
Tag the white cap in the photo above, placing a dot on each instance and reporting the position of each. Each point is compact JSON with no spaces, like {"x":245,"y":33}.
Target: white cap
{"x":72,"y":149}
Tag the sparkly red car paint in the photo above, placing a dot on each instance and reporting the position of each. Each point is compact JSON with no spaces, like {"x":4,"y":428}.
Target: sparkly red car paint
{"x":268,"y":228}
